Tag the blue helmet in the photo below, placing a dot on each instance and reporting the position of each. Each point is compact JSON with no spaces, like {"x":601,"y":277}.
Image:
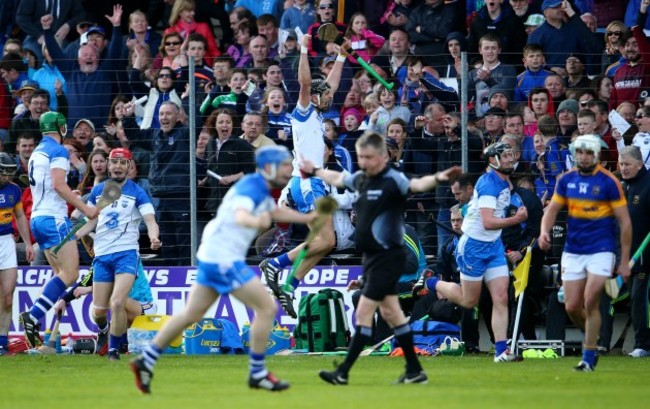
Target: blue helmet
{"x":274,"y":155}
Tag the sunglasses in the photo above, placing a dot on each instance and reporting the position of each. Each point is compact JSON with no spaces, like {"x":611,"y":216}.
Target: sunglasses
{"x":639,"y":116}
{"x":614,"y":33}
{"x":584,"y":103}
{"x":171,"y":43}
{"x":326,"y":6}
{"x":164,"y":76}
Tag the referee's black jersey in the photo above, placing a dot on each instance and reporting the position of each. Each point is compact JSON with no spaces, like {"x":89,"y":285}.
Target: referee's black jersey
{"x":380,"y":209}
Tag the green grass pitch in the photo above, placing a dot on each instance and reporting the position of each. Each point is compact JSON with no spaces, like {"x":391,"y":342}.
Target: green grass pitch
{"x":187,"y":382}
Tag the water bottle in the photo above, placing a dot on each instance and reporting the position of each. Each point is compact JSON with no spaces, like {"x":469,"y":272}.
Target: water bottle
{"x":560,"y":295}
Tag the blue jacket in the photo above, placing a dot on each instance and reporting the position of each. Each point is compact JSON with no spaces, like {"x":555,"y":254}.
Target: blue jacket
{"x":528,"y":80}
{"x":46,"y":76}
{"x":302,"y":18}
{"x":170,"y":171}
{"x":89,"y":95}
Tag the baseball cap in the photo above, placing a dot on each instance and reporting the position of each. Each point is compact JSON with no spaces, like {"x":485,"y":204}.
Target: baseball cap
{"x":551,"y":4}
{"x":327,"y":60}
{"x":535,"y":20}
{"x":27,"y":85}
{"x":87,"y":121}
{"x":120,"y":153}
{"x":292,"y":34}
{"x":96,"y":29}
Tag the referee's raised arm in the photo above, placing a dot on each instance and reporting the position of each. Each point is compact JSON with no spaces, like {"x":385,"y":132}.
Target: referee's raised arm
{"x":428,"y":182}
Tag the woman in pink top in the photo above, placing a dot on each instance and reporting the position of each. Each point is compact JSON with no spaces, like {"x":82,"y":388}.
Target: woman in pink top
{"x":182,"y":22}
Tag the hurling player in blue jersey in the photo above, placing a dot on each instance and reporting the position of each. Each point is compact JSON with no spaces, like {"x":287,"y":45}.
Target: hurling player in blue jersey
{"x":308,"y":131}
{"x":480,"y":254}
{"x":596,"y":205}
{"x":48,"y":167}
{"x":116,"y":246}
{"x":246,"y":210}
{"x":10,"y":207}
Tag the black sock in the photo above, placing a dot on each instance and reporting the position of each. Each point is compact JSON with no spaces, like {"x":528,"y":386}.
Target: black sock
{"x":404,"y":336}
{"x":361,"y":338}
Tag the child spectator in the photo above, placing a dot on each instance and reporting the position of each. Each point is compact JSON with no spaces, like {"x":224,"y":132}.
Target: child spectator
{"x":387,"y":111}
{"x":534,"y":75}
{"x":301,"y":15}
{"x":278,"y":119}
{"x":420,"y":88}
{"x":341,"y":154}
{"x":552,"y":162}
{"x":240,"y":50}
{"x":365,"y":42}
{"x":235,"y":100}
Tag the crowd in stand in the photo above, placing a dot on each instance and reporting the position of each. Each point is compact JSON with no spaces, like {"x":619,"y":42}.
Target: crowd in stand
{"x":541,"y":72}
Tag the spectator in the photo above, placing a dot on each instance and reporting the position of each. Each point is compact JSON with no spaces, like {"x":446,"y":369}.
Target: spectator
{"x":64,"y":18}
{"x":637,"y":187}
{"x":576,"y":79}
{"x":221,"y":72}
{"x":394,"y":63}
{"x":6,"y":107}
{"x":169,"y":176}
{"x":420,"y":88}
{"x":254,"y":126}
{"x":493,"y":125}
{"x":170,"y":48}
{"x":77,"y":161}
{"x":162,"y":90}
{"x":182,"y":22}
{"x":83,"y":132}
{"x":141,"y":33}
{"x":301,"y":15}
{"x":365,"y":42}
{"x":275,"y":107}
{"x":615,"y":33}
{"x":24,"y":94}
{"x":455,"y":44}
{"x":567,"y":118}
{"x":563,"y":33}
{"x":29,"y":124}
{"x":14,"y":71}
{"x":50,"y":78}
{"x":259,"y":49}
{"x":96,"y":171}
{"x":602,"y":86}
{"x":493,"y":18}
{"x":228,"y":156}
{"x":258,"y":8}
{"x":240,"y":51}
{"x":388,"y":111}
{"x":609,"y":155}
{"x":554,"y":83}
{"x":272,"y":78}
{"x":490,"y":73}
{"x":632,"y":81}
{"x":325,"y":13}
{"x":267,"y":26}
{"x":533,"y":22}
{"x":89,"y":80}
{"x":24,"y":147}
{"x":428,"y":27}
{"x":235,"y":100}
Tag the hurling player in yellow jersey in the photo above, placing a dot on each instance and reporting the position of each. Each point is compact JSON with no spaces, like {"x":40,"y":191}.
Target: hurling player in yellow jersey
{"x":596,"y":204}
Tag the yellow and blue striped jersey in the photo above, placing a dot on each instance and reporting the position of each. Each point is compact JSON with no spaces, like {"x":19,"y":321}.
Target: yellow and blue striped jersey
{"x":591,"y":200}
{"x":9,"y":202}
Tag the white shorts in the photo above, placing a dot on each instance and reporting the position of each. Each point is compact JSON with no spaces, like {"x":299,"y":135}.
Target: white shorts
{"x":8,"y":257}
{"x":576,"y":266}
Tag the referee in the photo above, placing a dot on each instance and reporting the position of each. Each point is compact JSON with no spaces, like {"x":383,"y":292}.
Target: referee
{"x":379,"y":234}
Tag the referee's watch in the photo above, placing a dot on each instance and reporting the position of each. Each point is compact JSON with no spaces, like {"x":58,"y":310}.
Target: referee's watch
{"x":313,"y":172}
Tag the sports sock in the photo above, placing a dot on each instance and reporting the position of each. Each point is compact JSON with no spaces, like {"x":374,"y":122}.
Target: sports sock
{"x":114,"y":342}
{"x":291,"y":284}
{"x":589,"y":356}
{"x":257,"y":367}
{"x":150,"y":355}
{"x":125,"y":339}
{"x":4,"y":340}
{"x":281,"y":261}
{"x":430,"y":283}
{"x":404,"y":336}
{"x":500,"y":347}
{"x":361,"y":338}
{"x":101,"y":322}
{"x":51,"y":293}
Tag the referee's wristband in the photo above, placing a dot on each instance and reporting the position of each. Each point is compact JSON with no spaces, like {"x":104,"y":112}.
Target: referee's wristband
{"x":312,"y":173}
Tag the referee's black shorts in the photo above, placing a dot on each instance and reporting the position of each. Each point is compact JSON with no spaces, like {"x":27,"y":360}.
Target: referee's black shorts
{"x":382,"y":271}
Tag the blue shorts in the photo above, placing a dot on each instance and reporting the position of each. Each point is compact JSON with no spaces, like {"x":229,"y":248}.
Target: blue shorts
{"x":107,"y":266}
{"x":304,"y":192}
{"x":49,"y":231}
{"x":480,"y":258}
{"x":211,"y":275}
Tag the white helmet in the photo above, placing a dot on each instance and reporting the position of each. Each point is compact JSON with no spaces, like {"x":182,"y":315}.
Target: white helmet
{"x":588,"y":143}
